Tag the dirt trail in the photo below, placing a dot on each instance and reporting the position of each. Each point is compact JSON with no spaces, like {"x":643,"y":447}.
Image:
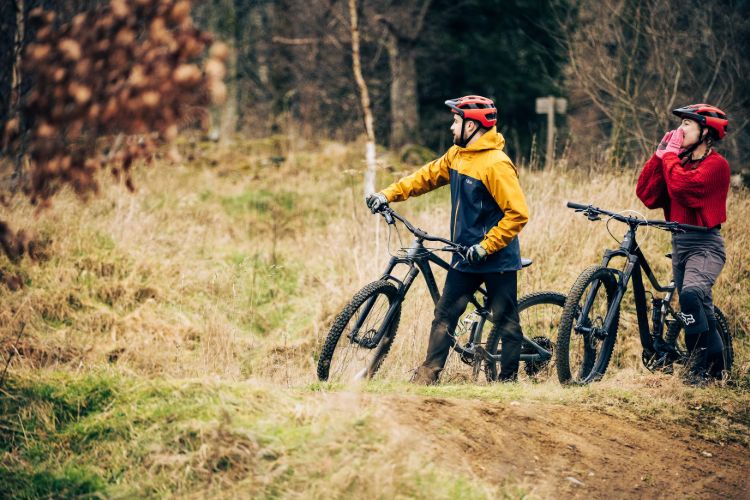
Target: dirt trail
{"x":557,"y":450}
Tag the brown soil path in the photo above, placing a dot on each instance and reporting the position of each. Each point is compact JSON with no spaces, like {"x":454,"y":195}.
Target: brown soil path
{"x":566,"y":451}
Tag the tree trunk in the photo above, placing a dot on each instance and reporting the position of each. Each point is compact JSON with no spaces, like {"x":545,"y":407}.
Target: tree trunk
{"x":28,"y":35}
{"x":404,"y":107}
{"x":403,"y":66}
{"x":219,"y":17}
{"x":364,"y":94}
{"x":254,"y":69}
{"x":7,"y":58}
{"x":241,"y":9}
{"x":229,"y":112}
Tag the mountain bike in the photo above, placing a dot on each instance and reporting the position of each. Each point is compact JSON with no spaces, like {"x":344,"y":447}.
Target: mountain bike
{"x":590,"y":317}
{"x":362,"y":334}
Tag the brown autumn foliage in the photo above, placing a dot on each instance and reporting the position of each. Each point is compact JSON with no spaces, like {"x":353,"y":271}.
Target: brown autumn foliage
{"x":108,"y":88}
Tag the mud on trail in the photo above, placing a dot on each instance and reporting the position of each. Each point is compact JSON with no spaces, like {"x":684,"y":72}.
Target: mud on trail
{"x":552,"y":450}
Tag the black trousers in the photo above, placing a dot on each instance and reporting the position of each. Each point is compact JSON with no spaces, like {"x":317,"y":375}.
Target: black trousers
{"x":502,"y":303}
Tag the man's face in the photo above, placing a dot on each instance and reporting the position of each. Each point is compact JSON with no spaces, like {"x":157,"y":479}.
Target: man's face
{"x":456,"y":128}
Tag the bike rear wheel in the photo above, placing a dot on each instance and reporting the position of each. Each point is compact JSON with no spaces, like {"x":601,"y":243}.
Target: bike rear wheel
{"x":584,"y":348}
{"x":676,"y":339}
{"x":539,"y":314}
{"x":348,"y":353}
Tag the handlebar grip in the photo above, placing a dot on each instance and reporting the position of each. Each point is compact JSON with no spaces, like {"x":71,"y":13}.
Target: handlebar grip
{"x":576,"y":206}
{"x":699,"y":229}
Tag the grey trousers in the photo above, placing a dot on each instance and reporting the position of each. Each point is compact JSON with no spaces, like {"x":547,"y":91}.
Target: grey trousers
{"x":697,"y":260}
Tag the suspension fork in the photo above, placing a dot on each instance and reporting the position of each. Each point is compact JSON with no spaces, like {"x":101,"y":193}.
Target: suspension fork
{"x":622,"y":286}
{"x":368,"y":305}
{"x":403,"y":289}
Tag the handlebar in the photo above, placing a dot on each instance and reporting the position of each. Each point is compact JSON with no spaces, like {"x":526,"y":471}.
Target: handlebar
{"x":391,"y":216}
{"x":593,"y":213}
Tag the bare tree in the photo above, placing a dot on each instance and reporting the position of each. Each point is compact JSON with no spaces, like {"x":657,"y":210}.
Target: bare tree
{"x":403,"y":22}
{"x":8,"y":10}
{"x":634,"y":60}
{"x":364,"y":94}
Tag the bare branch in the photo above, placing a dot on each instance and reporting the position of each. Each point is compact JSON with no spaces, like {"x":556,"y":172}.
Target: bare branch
{"x":282,"y":40}
{"x":717,"y":67}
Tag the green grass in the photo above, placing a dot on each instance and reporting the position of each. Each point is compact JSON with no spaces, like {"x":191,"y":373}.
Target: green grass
{"x":103,"y":433}
{"x":263,"y":203}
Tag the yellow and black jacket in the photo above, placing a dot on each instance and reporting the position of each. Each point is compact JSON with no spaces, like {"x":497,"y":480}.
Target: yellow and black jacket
{"x":488,"y":206}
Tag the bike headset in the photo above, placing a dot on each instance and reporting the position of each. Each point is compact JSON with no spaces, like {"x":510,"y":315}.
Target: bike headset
{"x":476,"y":108}
{"x":707,"y":117}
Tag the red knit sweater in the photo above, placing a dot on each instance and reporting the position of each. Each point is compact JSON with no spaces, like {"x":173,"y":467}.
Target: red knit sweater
{"x":695,"y":194}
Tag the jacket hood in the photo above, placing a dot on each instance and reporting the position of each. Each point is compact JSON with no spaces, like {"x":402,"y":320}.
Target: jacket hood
{"x":492,"y":139}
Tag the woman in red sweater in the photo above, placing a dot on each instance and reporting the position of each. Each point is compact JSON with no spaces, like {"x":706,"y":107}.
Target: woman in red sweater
{"x":689,"y":180}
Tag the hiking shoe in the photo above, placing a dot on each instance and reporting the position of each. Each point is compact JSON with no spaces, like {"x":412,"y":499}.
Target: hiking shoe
{"x":426,"y":375}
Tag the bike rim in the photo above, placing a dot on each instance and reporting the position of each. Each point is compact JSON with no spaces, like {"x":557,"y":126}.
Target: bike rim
{"x":540,"y":323}
{"x":351,"y":361}
{"x":586,"y":347}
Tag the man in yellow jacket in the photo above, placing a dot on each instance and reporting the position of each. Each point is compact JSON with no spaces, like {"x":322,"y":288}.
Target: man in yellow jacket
{"x":488,"y":210}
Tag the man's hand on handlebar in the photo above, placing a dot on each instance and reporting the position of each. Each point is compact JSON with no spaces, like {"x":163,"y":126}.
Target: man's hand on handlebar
{"x":376,"y":201}
{"x":476,"y":254}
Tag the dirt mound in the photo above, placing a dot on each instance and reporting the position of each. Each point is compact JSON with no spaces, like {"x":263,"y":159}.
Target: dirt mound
{"x":555,"y":450}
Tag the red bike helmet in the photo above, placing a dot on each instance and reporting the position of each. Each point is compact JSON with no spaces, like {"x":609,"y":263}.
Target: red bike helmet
{"x":706,"y":116}
{"x":475,"y":107}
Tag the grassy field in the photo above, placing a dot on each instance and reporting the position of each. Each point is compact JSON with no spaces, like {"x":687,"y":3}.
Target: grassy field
{"x":171,"y":335}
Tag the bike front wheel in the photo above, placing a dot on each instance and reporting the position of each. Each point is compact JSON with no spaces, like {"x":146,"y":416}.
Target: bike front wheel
{"x":351,"y":350}
{"x":584,"y":345}
{"x":539,"y":314}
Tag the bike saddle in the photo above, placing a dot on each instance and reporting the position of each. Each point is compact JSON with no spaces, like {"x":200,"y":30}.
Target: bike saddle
{"x":525,"y":262}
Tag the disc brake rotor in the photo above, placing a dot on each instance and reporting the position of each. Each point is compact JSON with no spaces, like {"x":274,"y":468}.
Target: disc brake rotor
{"x":533,"y":367}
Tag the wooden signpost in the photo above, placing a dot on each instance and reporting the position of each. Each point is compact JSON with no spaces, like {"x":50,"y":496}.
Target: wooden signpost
{"x":549,"y":106}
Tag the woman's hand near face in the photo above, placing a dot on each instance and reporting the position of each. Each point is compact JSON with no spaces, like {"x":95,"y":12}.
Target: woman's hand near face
{"x":671,"y":143}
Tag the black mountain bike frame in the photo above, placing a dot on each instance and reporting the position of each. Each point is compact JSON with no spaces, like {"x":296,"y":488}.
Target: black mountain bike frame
{"x":634,"y":269}
{"x":419,"y":259}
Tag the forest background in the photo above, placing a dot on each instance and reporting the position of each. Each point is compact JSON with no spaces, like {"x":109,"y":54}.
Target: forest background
{"x":622,"y":64}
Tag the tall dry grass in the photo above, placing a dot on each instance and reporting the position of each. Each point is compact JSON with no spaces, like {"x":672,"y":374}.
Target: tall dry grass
{"x":232,"y":265}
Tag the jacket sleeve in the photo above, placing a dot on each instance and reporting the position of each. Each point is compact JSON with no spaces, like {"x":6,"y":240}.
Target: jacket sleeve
{"x":651,"y":188}
{"x":502,"y":183}
{"x":431,"y":176}
{"x":690,"y":187}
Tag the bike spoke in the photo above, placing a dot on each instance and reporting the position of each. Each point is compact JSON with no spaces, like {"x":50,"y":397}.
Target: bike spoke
{"x":589,"y":344}
{"x":539,"y":323}
{"x":354,"y":357}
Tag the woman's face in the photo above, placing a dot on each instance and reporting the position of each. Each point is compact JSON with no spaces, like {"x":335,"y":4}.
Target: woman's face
{"x":692,"y":131}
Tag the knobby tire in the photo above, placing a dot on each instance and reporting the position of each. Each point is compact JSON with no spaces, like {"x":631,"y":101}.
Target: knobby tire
{"x":524,"y":304}
{"x":334,"y":342}
{"x":593,"y":365}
